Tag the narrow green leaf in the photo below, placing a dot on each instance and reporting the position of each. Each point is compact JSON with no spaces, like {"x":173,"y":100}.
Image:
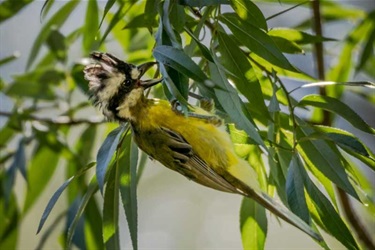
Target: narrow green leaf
{"x":278,"y":170}
{"x":78,"y":77}
{"x":142,"y":20}
{"x":255,"y":159}
{"x":172,"y":92}
{"x":57,"y":20}
{"x":249,"y":12}
{"x":256,"y":40}
{"x":295,"y":190}
{"x":202,"y":3}
{"x":7,"y":105}
{"x":84,"y":145}
{"x":297,"y":36}
{"x":205,"y":51}
{"x":287,"y":46}
{"x":343,"y":140}
{"x":8,"y":183}
{"x":111,"y":236}
{"x":274,"y":105}
{"x":107,"y":7}
{"x":189,"y":49}
{"x":36,"y":84}
{"x":242,"y":73}
{"x":363,"y":184}
{"x":56,"y":196}
{"x":91,"y":190}
{"x":236,"y":135}
{"x":179,"y":61}
{"x":41,"y":169}
{"x":151,"y":14}
{"x":52,"y":202}
{"x":78,"y":239}
{"x":105,"y":153}
{"x":324,"y":157}
{"x":369,"y":161}
{"x":336,"y":106}
{"x":232,"y":103}
{"x":90,"y":29}
{"x":253,"y":223}
{"x":347,"y":141}
{"x":93,"y":226}
{"x":115,"y":19}
{"x":9,"y":59}
{"x":179,"y":80}
{"x":141,"y":165}
{"x":165,"y":18}
{"x":45,"y":9}
{"x":56,"y":42}
{"x":367,"y":52}
{"x":341,"y":71}
{"x":334,"y":11}
{"x":9,"y":8}
{"x":20,"y":159}
{"x":9,"y":221}
{"x":177,"y":19}
{"x":326,"y":215}
{"x":128,"y":185}
{"x":260,"y":65}
{"x":6,"y":134}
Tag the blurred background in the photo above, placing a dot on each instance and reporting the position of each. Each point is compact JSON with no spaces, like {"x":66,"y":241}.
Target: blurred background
{"x":174,"y":213}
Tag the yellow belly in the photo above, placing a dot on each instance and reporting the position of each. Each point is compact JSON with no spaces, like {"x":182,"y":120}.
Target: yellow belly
{"x":210,"y":142}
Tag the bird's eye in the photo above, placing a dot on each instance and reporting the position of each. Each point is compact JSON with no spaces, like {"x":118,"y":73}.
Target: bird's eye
{"x":127,"y":82}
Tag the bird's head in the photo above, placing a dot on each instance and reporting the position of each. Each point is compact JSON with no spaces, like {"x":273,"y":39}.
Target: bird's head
{"x":114,"y":83}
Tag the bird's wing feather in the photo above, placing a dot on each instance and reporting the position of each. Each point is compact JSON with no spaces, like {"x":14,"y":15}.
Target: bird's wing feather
{"x":193,"y":166}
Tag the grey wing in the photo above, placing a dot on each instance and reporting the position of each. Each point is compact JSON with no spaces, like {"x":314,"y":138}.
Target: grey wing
{"x":194,"y":167}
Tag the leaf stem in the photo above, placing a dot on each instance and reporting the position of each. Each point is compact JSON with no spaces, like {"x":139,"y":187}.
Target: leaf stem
{"x":291,"y":111}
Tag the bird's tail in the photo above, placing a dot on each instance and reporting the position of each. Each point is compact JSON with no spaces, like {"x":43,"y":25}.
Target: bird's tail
{"x":270,"y":204}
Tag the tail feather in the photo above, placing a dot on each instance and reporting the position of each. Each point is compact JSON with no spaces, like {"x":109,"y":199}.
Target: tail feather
{"x":271,"y":205}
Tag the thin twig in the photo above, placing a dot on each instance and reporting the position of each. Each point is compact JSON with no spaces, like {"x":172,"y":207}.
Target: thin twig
{"x":199,"y":15}
{"x":60,"y":120}
{"x":319,"y":55}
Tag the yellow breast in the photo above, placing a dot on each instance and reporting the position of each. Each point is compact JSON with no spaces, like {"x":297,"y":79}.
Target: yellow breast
{"x":211,"y":143}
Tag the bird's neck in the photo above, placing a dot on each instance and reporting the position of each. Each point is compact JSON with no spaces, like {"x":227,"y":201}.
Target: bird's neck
{"x":133,"y":106}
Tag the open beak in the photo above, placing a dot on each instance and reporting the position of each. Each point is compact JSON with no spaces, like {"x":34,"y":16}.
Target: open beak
{"x":143,"y":69}
{"x":149,"y":83}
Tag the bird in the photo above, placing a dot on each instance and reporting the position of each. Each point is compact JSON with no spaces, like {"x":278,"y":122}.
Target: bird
{"x":195,"y":144}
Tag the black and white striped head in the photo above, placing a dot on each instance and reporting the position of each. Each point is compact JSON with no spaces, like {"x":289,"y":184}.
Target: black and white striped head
{"x":112,"y":81}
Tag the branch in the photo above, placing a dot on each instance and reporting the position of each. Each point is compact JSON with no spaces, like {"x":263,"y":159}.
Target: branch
{"x":60,"y":120}
{"x":353,"y":219}
{"x":362,"y":234}
{"x":319,"y":55}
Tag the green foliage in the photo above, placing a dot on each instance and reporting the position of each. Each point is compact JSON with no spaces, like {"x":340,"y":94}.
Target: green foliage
{"x":232,"y":57}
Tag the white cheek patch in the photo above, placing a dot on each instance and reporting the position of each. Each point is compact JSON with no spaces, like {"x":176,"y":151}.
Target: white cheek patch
{"x":134,"y":73}
{"x":111,"y":86}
